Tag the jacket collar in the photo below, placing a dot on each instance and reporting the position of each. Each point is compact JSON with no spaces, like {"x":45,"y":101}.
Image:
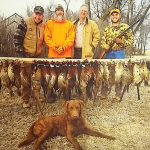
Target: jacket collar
{"x":32,"y":19}
{"x":76,"y":21}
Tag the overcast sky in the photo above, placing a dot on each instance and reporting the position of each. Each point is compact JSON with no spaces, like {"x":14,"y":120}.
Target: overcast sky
{"x":9,"y":7}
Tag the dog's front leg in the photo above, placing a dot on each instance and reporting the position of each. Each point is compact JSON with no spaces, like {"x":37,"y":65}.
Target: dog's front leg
{"x":91,"y":132}
{"x":75,"y":143}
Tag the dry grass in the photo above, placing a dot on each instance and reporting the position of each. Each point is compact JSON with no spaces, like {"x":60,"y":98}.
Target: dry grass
{"x":128,"y":121}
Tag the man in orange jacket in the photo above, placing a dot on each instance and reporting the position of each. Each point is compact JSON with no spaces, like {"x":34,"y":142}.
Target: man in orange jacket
{"x":59,"y":35}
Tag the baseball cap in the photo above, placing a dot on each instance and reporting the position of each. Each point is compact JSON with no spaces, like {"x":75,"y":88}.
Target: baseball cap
{"x":115,"y":10}
{"x":39,"y":9}
{"x":59,"y":7}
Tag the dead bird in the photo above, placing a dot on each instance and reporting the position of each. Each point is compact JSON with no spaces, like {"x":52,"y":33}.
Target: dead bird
{"x":118,"y":72}
{"x":98,"y":70}
{"x":50,"y":78}
{"x":36,"y":82}
{"x":137,"y":79}
{"x":11,"y":74}
{"x":85,"y":79}
{"x":127,"y":77}
{"x":5,"y":80}
{"x":112,"y":78}
{"x":144,"y":71}
{"x":17,"y":77}
{"x":1,"y":64}
{"x":36,"y":76}
{"x":63,"y":83}
{"x":24,"y":76}
{"x":36,"y":79}
{"x":106,"y":74}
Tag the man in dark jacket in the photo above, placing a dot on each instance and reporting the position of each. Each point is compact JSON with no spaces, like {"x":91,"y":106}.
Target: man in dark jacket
{"x":28,"y":41}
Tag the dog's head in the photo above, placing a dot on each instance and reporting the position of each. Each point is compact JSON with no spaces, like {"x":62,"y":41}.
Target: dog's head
{"x":74,"y":108}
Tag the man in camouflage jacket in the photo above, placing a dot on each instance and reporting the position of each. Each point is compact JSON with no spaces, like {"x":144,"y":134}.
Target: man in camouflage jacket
{"x":117,"y":49}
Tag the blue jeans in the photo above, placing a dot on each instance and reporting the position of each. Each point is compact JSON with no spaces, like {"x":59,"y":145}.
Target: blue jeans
{"x":120,"y":54}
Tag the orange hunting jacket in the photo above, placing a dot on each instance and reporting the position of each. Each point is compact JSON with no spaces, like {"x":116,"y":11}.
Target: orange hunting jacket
{"x":59,"y":34}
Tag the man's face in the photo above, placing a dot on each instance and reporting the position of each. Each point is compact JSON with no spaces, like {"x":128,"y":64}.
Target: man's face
{"x":83,"y":13}
{"x":59,"y":12}
{"x":38,"y":17}
{"x":115,"y":17}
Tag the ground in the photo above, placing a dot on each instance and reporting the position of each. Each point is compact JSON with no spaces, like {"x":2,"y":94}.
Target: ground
{"x":128,"y":121}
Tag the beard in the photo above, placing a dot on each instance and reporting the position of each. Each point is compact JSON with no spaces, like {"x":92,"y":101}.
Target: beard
{"x":59,"y":18}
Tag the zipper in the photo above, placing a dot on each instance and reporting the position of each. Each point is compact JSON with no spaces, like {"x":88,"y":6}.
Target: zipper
{"x":36,"y":41}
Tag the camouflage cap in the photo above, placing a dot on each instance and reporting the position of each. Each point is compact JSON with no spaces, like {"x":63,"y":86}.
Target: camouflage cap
{"x":115,"y":10}
{"x":39,"y":9}
{"x":59,"y":7}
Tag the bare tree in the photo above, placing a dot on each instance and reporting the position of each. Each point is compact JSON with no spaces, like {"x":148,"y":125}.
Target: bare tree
{"x":49,"y":11}
{"x":143,"y":37}
{"x":67,"y":2}
{"x":88,"y":2}
{"x":29,"y":11}
{"x":101,"y":8}
{"x":142,"y":18}
{"x":117,"y":3}
{"x":68,"y":12}
{"x":130,"y":11}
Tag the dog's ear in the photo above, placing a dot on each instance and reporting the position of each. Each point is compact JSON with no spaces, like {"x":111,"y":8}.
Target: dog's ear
{"x":81,"y":103}
{"x":66,"y":106}
{"x":81,"y":106}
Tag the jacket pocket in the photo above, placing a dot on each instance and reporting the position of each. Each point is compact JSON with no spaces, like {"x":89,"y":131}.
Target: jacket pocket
{"x":89,"y":52}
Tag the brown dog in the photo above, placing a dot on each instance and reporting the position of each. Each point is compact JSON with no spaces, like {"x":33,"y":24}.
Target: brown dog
{"x":70,"y":125}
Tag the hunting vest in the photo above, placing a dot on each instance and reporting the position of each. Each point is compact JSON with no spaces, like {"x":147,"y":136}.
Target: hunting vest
{"x":34,"y":38}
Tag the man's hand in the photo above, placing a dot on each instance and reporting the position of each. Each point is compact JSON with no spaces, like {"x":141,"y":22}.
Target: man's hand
{"x":59,"y":50}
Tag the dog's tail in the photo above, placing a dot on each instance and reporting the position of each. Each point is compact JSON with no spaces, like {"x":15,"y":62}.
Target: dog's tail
{"x":29,"y":138}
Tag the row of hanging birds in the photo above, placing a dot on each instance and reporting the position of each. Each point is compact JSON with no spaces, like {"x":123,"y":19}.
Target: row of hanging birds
{"x":71,"y":78}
